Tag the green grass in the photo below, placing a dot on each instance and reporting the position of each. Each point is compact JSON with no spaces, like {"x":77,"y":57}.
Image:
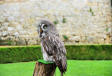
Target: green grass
{"x":75,"y":68}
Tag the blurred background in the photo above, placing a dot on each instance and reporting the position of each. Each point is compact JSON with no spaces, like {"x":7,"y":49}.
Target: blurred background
{"x":86,"y":24}
{"x":78,"y":21}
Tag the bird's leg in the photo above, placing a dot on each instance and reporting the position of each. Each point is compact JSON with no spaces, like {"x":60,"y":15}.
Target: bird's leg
{"x":61,"y":74}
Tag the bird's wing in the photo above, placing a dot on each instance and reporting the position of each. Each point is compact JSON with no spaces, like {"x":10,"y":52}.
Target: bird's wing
{"x":55,"y":47}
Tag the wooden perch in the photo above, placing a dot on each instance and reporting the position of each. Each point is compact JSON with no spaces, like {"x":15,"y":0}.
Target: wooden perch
{"x":44,"y":68}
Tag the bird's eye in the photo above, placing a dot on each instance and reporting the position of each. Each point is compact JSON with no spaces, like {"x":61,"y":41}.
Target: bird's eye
{"x":45,"y":26}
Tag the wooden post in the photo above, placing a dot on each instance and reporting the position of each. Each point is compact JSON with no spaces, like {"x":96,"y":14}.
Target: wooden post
{"x":43,"y":68}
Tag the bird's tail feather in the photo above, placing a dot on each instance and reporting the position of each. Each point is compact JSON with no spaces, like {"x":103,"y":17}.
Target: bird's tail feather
{"x":61,"y":74}
{"x":62,"y":65}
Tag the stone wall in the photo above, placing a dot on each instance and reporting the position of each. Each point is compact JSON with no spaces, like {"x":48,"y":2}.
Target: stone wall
{"x":78,"y":21}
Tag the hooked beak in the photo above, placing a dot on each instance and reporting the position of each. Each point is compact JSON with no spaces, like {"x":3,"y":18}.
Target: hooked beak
{"x":40,"y":32}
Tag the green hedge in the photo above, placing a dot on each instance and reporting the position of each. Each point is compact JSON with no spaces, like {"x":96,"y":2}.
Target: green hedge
{"x":20,"y":54}
{"x":89,"y":52}
{"x":77,"y":52}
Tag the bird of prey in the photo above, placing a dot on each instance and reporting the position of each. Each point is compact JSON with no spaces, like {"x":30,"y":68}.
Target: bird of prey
{"x":52,"y":47}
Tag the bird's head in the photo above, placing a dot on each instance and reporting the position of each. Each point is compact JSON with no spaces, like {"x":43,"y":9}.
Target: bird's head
{"x":45,"y":27}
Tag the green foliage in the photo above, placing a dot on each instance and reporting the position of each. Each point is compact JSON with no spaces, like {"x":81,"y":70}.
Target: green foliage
{"x":65,"y":37}
{"x":19,"y":54}
{"x":89,"y":52}
{"x":74,"y":52}
{"x":91,"y":11}
{"x":56,"y":22}
{"x":64,"y":20}
{"x":107,"y":29}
